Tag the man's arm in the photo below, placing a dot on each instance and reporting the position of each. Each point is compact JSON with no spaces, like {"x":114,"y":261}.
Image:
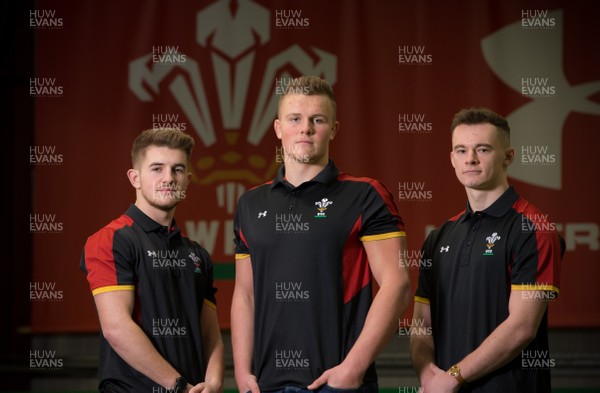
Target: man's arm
{"x":501,"y":346}
{"x":129,"y":340}
{"x":422,"y":347}
{"x":212,"y":344}
{"x":242,"y":326}
{"x":382,"y":320}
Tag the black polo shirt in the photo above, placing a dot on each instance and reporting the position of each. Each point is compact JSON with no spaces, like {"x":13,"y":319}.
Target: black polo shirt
{"x":312,"y":281}
{"x":477,"y":259}
{"x":172,"y":278}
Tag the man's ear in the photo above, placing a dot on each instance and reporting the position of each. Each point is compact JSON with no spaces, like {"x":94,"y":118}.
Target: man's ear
{"x":334,"y":129}
{"x":134,"y":178}
{"x":277,"y":127}
{"x":510,"y":157}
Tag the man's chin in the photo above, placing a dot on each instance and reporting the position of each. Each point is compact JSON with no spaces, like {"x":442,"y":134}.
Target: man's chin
{"x":304,"y":159}
{"x":166,"y":205}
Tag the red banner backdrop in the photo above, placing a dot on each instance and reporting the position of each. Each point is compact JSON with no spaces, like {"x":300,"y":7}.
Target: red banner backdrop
{"x":106,"y":70}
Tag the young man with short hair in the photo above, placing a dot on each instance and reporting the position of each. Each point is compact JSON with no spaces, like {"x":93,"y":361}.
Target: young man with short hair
{"x":494,"y":267}
{"x":308,"y":245}
{"x":153,"y":287}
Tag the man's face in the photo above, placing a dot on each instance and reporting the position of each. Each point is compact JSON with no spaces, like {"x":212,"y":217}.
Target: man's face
{"x":480,"y":156}
{"x":305,"y":126}
{"x":161,"y":177}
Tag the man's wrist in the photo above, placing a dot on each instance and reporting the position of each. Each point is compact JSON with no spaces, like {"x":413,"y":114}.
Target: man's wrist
{"x":355,"y":366}
{"x":181,"y":385}
{"x":454,"y":371}
{"x":243,"y":378}
{"x":215,"y":384}
{"x":425,"y":373}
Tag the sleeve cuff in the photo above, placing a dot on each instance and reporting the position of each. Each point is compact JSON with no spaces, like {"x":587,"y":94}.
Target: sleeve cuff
{"x":113,"y":288}
{"x":420,"y":299}
{"x":383,"y":236}
{"x":210,"y":304}
{"x":535,"y":287}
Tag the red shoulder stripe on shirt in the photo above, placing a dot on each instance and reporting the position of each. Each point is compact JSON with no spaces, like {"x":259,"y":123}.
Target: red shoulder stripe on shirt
{"x":381,"y":190}
{"x":548,"y":243}
{"x":99,"y":257}
{"x":260,"y":185}
{"x":355,"y":265}
{"x":456,"y":217}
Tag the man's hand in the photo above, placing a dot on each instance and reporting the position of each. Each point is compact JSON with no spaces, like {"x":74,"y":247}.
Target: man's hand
{"x":203,"y":387}
{"x":427,"y":374}
{"x":339,"y":377}
{"x":440,"y":382}
{"x":251,"y":385}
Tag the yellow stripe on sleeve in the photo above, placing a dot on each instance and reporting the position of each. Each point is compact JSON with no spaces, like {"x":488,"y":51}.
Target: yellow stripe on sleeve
{"x":420,"y":299}
{"x":383,"y":236}
{"x":241,"y":256}
{"x":210,"y":304}
{"x":534,"y":287}
{"x":112,"y":288}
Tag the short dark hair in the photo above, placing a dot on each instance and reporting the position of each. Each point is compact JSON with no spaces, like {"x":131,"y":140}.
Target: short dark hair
{"x":481,"y":116}
{"x":172,"y":138}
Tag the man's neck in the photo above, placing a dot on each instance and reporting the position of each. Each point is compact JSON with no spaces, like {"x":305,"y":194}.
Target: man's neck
{"x":297,"y":173}
{"x":480,"y":200}
{"x":164,"y":218}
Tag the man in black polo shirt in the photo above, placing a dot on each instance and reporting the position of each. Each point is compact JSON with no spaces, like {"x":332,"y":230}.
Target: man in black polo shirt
{"x":308,"y":244}
{"x":494,"y":267}
{"x":152,"y":286}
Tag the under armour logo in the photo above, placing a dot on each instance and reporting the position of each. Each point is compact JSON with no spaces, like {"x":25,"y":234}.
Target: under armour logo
{"x":445,"y":249}
{"x":262,"y":214}
{"x":538,"y":53}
